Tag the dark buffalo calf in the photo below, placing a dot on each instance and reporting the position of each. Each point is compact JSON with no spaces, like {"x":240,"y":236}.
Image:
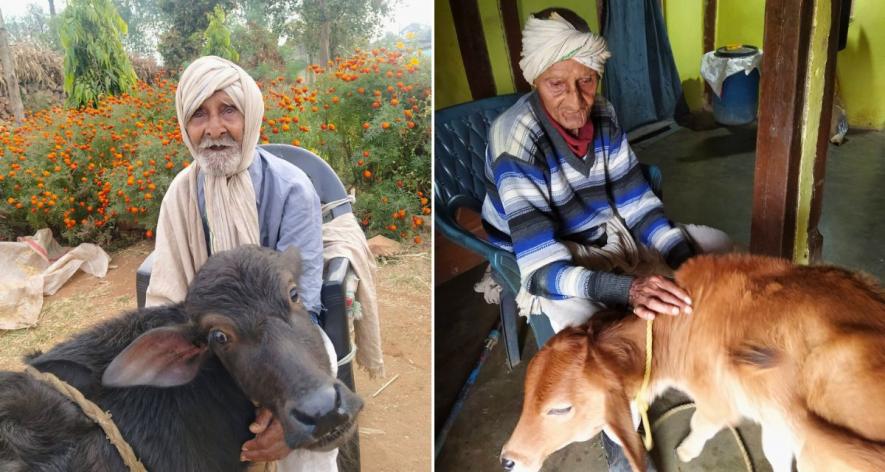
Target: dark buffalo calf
{"x":180,"y":380}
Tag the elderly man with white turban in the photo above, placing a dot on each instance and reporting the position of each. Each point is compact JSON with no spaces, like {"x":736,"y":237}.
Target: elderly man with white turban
{"x":235,"y":194}
{"x":566,"y":194}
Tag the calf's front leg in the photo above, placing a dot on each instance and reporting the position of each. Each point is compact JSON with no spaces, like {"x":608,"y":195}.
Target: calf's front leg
{"x":702,"y":430}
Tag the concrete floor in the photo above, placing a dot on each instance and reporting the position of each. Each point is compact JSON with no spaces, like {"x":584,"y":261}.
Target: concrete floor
{"x":708,"y":179}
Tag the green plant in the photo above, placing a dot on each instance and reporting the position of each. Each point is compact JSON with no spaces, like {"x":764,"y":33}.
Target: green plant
{"x":217,"y":37}
{"x":95,"y":63}
{"x":368,"y":115}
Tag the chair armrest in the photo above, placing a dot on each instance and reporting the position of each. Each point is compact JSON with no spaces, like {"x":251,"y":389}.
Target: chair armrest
{"x":334,"y":317}
{"x":502,"y":262}
{"x":143,"y":279}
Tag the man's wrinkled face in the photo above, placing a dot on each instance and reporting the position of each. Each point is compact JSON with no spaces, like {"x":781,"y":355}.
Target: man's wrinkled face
{"x":567,"y":90}
{"x":216,"y":131}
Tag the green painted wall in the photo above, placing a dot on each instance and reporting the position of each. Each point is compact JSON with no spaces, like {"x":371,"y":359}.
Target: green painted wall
{"x":739,"y":22}
{"x":586,"y":9}
{"x":496,"y":42}
{"x":685,"y":27}
{"x":860,"y":67}
{"x":449,"y":77}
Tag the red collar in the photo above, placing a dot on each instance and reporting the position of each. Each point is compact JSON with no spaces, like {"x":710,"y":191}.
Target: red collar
{"x":578,"y":144}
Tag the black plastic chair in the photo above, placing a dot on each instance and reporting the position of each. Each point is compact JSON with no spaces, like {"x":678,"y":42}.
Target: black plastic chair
{"x":333,"y":319}
{"x":460,"y":140}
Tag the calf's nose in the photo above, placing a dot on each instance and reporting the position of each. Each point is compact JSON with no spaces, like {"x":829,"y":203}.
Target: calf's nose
{"x":314,"y":405}
{"x":507,"y":463}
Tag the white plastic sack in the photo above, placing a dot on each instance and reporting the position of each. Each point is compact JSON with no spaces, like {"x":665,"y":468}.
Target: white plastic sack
{"x":38,"y":265}
{"x":715,"y":69}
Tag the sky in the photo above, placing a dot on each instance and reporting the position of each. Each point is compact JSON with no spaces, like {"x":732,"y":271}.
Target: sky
{"x":405,"y":11}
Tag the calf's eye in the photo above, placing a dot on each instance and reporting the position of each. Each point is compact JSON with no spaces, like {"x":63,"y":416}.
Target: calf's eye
{"x":559,"y":411}
{"x":218,"y":336}
{"x":293,"y":294}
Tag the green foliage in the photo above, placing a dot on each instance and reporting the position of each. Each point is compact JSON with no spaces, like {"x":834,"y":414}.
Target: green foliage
{"x":185,"y":22}
{"x":368,"y":115}
{"x":217,"y":37}
{"x":271,"y":14}
{"x":258,"y":49}
{"x":143,"y":19}
{"x":353,"y":23}
{"x":95,"y":62}
{"x":35,"y":27}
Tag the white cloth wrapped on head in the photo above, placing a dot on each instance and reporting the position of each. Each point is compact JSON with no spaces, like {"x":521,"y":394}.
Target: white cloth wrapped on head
{"x":546,"y":42}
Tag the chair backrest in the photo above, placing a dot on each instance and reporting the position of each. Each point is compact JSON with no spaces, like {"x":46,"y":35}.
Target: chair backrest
{"x":326,"y":182}
{"x":460,"y":139}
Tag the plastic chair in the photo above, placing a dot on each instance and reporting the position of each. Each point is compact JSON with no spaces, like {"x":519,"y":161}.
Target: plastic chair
{"x":333,"y":319}
{"x":460,"y":140}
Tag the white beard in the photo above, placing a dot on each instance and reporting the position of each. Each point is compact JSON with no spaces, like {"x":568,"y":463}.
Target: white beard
{"x":222,"y":162}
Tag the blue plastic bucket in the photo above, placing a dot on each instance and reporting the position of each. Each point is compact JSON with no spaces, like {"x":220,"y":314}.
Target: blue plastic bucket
{"x":737,"y":103}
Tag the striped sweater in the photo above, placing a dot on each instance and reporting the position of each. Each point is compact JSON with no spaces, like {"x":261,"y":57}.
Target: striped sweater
{"x":540,"y":194}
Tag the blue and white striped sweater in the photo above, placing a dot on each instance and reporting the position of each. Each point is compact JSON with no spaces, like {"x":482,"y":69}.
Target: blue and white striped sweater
{"x":540,"y":194}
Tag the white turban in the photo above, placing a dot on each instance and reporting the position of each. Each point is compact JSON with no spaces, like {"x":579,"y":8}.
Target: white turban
{"x":230,"y":200}
{"x":546,"y":42}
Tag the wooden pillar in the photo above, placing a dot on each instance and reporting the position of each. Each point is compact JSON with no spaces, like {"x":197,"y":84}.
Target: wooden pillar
{"x":471,"y":41}
{"x":601,"y":11}
{"x":798,"y":71}
{"x":513,"y":34}
{"x":709,"y":44}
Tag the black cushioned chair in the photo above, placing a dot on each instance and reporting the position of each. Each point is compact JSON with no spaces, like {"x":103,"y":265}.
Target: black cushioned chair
{"x":333,"y":319}
{"x":460,"y":140}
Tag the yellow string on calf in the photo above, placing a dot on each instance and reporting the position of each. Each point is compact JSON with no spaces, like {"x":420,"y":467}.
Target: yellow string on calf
{"x":642,"y":396}
{"x":95,"y":413}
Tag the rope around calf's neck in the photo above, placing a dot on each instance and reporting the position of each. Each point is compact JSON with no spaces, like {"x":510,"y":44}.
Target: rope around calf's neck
{"x":95,"y":413}
{"x":642,"y":395}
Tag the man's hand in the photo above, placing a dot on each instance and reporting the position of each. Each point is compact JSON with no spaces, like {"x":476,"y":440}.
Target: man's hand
{"x":654,"y":295}
{"x":269,"y":444}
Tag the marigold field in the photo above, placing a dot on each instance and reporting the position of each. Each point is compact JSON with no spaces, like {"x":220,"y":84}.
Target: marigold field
{"x":99,"y":174}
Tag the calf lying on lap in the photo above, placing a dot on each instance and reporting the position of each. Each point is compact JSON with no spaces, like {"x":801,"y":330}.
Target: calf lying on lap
{"x":181,"y":381}
{"x":800,"y":350}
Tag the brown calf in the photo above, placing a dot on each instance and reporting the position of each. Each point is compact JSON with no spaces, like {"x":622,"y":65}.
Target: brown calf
{"x":800,"y":350}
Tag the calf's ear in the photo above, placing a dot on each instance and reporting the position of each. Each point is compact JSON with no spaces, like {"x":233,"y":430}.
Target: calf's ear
{"x":619,"y":422}
{"x":161,"y":357}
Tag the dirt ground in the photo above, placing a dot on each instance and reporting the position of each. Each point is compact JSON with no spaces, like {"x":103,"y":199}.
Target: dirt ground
{"x":395,"y":425}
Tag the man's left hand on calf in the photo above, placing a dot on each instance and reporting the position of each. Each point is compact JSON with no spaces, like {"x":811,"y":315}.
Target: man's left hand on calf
{"x":269,"y":443}
{"x":654,"y":295}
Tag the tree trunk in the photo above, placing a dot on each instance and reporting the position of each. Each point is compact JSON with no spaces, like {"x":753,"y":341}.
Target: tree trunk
{"x":52,"y":8}
{"x":15,"y":98}
{"x":325,"y":36}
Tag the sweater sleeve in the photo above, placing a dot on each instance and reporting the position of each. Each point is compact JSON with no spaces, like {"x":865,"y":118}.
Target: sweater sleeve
{"x":641,"y":209}
{"x":544,"y":262}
